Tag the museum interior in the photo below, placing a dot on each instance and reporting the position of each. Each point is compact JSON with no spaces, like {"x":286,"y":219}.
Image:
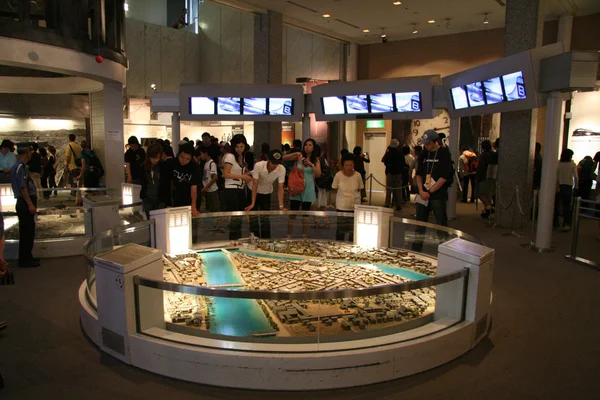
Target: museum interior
{"x":259,"y":198}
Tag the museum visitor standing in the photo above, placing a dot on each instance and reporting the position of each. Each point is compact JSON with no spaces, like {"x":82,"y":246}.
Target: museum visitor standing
{"x":210,"y":187}
{"x":237,"y":177}
{"x":307,"y":162}
{"x":264,"y":175}
{"x":7,"y":160}
{"x":156,"y":181}
{"x":25,"y":192}
{"x":91,"y":168}
{"x":73,"y":163}
{"x":51,"y":171}
{"x":35,"y":166}
{"x":467,"y":168}
{"x":348,"y":184}
{"x":393,"y":159}
{"x":134,"y":160}
{"x":485,"y":184}
{"x":360,"y":159}
{"x":566,"y":179}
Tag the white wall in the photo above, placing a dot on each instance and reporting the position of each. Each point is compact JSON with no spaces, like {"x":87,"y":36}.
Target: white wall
{"x":585,"y":111}
{"x":151,"y":11}
{"x":33,"y":124}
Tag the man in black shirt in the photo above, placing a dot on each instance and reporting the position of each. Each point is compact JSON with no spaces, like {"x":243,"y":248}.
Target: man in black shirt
{"x":134,"y":161}
{"x":394,"y":166}
{"x":434,"y":171}
{"x":186,"y":179}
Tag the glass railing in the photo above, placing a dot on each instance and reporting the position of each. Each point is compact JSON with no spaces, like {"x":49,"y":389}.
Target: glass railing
{"x":142,"y":233}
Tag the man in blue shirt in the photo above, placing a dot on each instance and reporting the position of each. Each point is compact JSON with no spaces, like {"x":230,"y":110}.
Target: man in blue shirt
{"x":26,"y":194}
{"x":7,"y":160}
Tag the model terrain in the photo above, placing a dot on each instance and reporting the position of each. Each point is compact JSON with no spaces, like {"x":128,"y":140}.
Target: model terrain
{"x":309,"y":266}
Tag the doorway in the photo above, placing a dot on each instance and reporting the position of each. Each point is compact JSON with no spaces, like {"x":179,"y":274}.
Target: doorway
{"x":375,"y":143}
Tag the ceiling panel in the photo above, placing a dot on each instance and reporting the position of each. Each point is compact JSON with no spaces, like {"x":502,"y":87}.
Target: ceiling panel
{"x":350,"y":17}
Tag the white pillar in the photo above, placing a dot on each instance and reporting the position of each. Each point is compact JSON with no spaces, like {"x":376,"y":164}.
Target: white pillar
{"x":543,"y":238}
{"x":455,"y":150}
{"x":114,"y":146}
{"x":565,"y":29}
{"x":175,"y":131}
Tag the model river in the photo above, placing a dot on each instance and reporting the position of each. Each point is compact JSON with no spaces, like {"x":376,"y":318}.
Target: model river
{"x":244,"y":317}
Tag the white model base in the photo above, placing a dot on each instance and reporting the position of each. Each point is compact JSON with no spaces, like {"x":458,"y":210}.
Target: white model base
{"x":314,"y":370}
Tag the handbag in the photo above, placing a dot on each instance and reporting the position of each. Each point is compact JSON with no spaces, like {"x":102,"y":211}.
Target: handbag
{"x":296,"y":182}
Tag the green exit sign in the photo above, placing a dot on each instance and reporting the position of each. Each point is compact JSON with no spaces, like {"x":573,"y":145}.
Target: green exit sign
{"x":375,"y":124}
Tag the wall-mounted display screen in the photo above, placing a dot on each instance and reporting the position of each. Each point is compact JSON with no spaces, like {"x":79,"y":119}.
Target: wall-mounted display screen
{"x":280,"y":106}
{"x":382,"y":103}
{"x":493,"y":91}
{"x":475,"y":92}
{"x":357,"y":104}
{"x":202,"y":105}
{"x":255,"y":106}
{"x":333,"y":105}
{"x":459,"y":97}
{"x":229,"y":106}
{"x":408,"y":102}
{"x":514,"y":86}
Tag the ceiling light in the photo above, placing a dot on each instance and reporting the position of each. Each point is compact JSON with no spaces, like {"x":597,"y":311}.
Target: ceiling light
{"x":153,"y":86}
{"x":326,"y":15}
{"x":366,"y":31}
{"x":431,"y":21}
{"x":397,"y":3}
{"x":415,"y":29}
{"x":485,"y":19}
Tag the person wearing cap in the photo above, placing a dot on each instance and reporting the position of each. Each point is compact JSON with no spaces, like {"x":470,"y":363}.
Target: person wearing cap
{"x":394,"y":167}
{"x":264,"y":175}
{"x":7,"y":160}
{"x":434,"y":173}
{"x":25,"y":192}
{"x":134,"y":161}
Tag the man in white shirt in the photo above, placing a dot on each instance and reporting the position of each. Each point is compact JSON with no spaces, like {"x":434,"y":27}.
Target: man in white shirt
{"x":264,"y":175}
{"x":348,"y":184}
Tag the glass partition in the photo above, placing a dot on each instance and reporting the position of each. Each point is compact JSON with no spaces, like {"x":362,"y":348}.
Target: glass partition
{"x":52,"y":223}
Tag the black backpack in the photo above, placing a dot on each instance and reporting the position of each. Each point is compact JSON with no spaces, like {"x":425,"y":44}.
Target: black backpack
{"x":326,"y":178}
{"x":95,"y":165}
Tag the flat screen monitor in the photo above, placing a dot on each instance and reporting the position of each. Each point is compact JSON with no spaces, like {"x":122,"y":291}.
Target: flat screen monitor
{"x":202,"y":105}
{"x":255,"y":106}
{"x":228,"y":105}
{"x":281,"y":106}
{"x":459,"y":97}
{"x":358,"y":104}
{"x":514,"y":86}
{"x":475,"y":92}
{"x":493,"y":91}
{"x":333,"y":105}
{"x":382,"y":103}
{"x":408,"y":102}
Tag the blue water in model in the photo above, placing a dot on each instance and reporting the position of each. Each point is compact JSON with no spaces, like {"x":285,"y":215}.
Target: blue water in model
{"x":231,"y":317}
{"x":403,"y":272}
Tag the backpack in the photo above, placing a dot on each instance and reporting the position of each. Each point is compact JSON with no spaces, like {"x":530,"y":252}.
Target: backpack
{"x":95,"y":165}
{"x":472,"y":164}
{"x":296,"y":181}
{"x":326,"y":178}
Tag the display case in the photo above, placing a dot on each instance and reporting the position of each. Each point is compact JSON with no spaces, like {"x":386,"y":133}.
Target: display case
{"x":342,"y":314}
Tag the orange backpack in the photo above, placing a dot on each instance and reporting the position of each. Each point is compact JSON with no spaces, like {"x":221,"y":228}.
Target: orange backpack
{"x":296,"y":181}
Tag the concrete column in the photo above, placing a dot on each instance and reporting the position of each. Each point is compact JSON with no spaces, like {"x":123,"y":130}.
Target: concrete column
{"x":305,"y":127}
{"x":523,"y":31}
{"x":455,"y":150}
{"x":113,"y":135}
{"x":175,"y":131}
{"x":268,"y":68}
{"x":543,"y":238}
{"x":565,"y":30}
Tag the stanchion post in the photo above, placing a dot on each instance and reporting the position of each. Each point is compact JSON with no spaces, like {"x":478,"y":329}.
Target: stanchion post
{"x":575,"y":236}
{"x":371,"y":189}
{"x":533,"y":218}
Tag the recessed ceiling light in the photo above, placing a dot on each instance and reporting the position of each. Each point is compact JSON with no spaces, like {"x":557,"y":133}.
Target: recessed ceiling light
{"x":397,"y":3}
{"x":366,"y":31}
{"x":431,"y":21}
{"x":326,"y":15}
{"x":485,"y":19}
{"x":415,"y":29}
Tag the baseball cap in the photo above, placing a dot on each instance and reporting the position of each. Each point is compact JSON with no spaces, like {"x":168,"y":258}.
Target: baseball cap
{"x":133,"y":140}
{"x":275,"y":157}
{"x":429,"y":136}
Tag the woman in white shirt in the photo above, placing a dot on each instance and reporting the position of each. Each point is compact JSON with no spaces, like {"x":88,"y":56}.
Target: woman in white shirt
{"x":236,"y":178}
{"x":348,"y":184}
{"x":566,"y":180}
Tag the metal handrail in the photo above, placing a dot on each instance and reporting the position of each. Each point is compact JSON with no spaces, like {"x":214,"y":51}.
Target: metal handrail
{"x":275,"y":213}
{"x":575,"y":232}
{"x":112,"y":233}
{"x":300,"y":295}
{"x":446,"y":229}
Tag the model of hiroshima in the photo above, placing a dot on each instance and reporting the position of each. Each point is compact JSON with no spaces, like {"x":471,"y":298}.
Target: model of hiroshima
{"x":311,"y":266}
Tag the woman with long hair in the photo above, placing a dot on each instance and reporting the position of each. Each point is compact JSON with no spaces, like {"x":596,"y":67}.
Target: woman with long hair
{"x":308,"y":161}
{"x":566,"y":180}
{"x":237,"y":177}
{"x":155,"y":180}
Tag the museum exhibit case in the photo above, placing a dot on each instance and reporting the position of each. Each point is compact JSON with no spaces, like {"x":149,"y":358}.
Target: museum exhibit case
{"x":286,"y":311}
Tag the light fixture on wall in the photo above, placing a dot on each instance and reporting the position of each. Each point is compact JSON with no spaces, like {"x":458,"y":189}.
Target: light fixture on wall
{"x":485,"y":19}
{"x":415,"y":31}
